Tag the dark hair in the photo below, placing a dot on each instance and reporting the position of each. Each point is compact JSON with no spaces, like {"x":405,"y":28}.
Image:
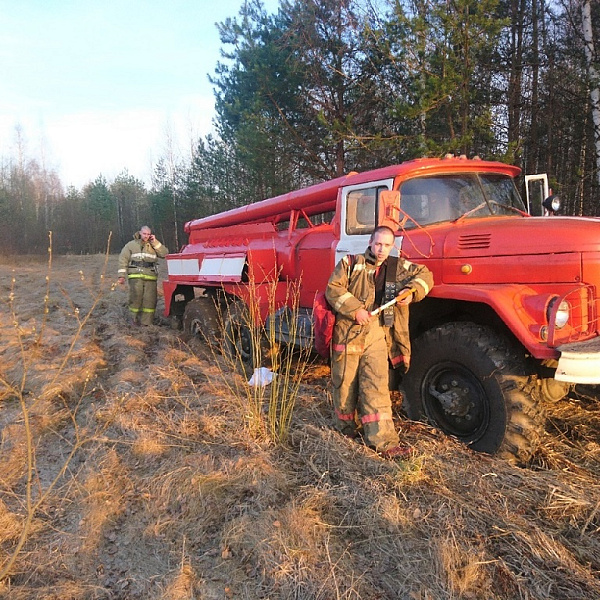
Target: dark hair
{"x":382,"y":228}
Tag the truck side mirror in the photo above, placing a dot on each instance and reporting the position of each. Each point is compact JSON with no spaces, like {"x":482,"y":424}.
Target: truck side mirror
{"x":389,"y":209}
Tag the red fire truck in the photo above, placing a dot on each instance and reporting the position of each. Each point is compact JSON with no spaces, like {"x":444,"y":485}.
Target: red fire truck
{"x":512,"y":320}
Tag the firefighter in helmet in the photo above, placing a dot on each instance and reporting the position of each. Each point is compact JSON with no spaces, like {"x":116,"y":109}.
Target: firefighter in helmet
{"x":364,"y":345}
{"x":138,"y":262}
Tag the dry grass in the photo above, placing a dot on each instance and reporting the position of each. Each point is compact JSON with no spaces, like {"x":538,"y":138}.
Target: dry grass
{"x":146,"y":483}
{"x":266,"y":409}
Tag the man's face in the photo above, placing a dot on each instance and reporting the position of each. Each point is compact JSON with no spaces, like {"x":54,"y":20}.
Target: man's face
{"x":145,"y":234}
{"x":382,"y":243}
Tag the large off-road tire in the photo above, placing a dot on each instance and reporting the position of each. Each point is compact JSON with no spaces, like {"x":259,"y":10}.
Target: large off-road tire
{"x":468,"y":381}
{"x":201,"y":319}
{"x":240,"y":339}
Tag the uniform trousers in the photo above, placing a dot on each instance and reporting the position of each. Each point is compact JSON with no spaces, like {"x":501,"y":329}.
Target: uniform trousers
{"x":142,"y":299}
{"x":359,"y":372}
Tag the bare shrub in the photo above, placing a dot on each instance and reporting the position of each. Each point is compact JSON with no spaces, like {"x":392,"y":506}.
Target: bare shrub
{"x":246,"y":343}
{"x":43,"y":376}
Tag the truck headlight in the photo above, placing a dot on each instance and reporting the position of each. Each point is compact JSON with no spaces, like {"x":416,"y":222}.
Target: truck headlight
{"x":552,"y":204}
{"x":561,"y":318}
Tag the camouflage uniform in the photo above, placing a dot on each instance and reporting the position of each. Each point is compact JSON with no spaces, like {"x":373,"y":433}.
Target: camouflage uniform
{"x":359,"y":354}
{"x":138,"y":261}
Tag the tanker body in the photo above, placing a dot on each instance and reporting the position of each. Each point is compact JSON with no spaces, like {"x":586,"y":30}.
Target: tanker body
{"x":271,"y":241}
{"x":511,"y":322}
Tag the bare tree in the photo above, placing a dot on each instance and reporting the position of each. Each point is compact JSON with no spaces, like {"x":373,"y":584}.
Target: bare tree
{"x":594,"y":76}
{"x":173,"y":166}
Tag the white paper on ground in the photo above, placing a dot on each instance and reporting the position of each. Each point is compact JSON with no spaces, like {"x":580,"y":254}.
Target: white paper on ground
{"x":261,"y":377}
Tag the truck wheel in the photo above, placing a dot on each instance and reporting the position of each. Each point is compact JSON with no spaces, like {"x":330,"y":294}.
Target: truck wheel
{"x":201,"y":319}
{"x":239,"y":344}
{"x":175,"y":322}
{"x":466,"y":380}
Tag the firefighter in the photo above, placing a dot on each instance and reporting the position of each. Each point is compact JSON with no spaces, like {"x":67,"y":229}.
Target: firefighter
{"x":138,"y":261}
{"x":363,"y":345}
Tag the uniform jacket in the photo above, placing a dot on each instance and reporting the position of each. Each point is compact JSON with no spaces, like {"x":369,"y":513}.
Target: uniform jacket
{"x":139,"y":259}
{"x":352,"y":287}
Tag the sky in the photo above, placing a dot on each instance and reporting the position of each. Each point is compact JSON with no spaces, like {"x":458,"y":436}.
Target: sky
{"x":99,"y":86}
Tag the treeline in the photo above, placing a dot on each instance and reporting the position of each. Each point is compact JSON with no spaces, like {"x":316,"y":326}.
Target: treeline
{"x":324,"y":87}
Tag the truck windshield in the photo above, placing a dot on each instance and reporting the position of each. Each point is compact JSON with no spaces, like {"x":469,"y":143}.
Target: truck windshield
{"x":441,"y":198}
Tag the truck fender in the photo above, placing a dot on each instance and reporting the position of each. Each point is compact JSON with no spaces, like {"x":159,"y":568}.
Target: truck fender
{"x":520,"y":307}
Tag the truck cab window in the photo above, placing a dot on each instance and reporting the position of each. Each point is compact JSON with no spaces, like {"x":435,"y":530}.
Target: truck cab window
{"x":360,"y":211}
{"x":430,"y":200}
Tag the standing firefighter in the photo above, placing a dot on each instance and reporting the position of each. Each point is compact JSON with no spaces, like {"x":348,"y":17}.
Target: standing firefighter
{"x":138,"y":261}
{"x":362,"y":343}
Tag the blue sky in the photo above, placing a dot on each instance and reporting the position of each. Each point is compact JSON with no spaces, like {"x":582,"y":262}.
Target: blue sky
{"x":97,"y":86}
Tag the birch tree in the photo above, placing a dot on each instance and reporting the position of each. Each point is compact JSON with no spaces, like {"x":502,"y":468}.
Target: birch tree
{"x":593,"y":75}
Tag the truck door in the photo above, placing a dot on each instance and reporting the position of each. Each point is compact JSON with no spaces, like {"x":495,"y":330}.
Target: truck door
{"x":536,"y":191}
{"x":359,"y":216}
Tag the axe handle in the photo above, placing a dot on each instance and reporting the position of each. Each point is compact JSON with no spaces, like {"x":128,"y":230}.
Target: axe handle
{"x":399,"y":297}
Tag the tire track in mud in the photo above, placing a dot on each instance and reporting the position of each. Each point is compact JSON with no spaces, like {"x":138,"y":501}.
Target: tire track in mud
{"x":130,"y":352}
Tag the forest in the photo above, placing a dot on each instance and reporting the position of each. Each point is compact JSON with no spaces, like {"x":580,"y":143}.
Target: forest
{"x":325,"y":87}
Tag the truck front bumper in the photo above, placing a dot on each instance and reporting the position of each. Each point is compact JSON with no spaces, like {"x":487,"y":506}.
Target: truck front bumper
{"x":579,"y":362}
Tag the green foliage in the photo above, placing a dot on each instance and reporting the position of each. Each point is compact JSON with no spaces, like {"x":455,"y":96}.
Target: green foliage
{"x":98,"y":201}
{"x":130,"y":201}
{"x":69,"y":235}
{"x":330,"y":86}
{"x":333,"y":86}
{"x":167,"y":200}
{"x":445,"y":90}
{"x":256,"y":100}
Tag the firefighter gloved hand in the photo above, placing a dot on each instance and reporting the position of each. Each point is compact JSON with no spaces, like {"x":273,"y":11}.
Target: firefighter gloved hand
{"x":408,"y":293}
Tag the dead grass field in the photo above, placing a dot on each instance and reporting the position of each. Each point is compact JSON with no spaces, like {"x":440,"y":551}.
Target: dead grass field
{"x":126,"y":473}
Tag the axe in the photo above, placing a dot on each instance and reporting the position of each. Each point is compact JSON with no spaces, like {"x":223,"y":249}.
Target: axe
{"x":405,"y":294}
